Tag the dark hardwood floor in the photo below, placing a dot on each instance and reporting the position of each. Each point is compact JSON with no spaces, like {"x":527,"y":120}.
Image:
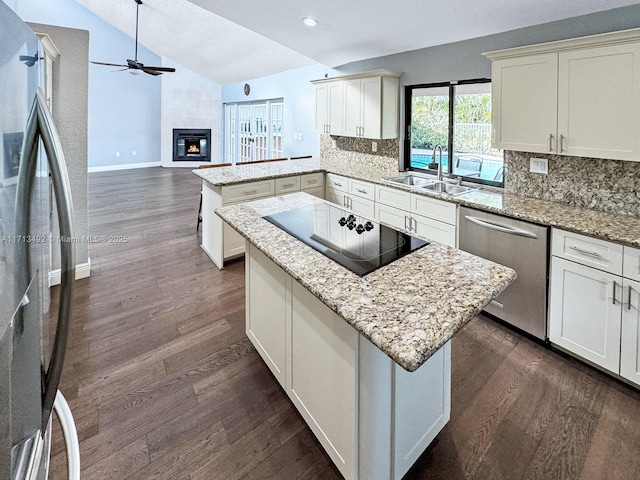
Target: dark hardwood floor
{"x":164,"y":384}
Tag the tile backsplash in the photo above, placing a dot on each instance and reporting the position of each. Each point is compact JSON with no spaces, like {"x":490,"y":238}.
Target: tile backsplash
{"x":354,"y":155}
{"x":608,"y":185}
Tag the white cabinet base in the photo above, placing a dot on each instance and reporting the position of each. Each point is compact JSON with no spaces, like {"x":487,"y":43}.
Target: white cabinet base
{"x":373,"y":418}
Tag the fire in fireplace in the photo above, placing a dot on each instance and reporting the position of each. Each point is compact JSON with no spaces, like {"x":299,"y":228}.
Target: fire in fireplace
{"x":190,"y":144}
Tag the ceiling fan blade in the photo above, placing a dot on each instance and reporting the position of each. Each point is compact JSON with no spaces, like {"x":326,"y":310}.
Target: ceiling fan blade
{"x":161,"y":69}
{"x":110,"y":64}
{"x":151,"y":71}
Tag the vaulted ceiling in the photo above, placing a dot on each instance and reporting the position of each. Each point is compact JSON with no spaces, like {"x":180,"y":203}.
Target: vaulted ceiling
{"x":229,"y":41}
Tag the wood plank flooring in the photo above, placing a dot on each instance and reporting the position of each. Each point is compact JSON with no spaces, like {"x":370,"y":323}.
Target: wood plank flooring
{"x":164,"y":384}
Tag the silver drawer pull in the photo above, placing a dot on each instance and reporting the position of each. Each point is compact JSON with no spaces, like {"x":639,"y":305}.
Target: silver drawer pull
{"x":250,"y":192}
{"x":361,"y":190}
{"x":337,"y":183}
{"x":287,"y":185}
{"x":312,"y":181}
{"x":615,"y":284}
{"x":585,"y":252}
{"x":629,"y":304}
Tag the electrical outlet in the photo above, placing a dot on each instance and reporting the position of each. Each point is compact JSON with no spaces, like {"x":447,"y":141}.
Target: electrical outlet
{"x":374,"y":146}
{"x":539,"y":165}
{"x":334,"y":144}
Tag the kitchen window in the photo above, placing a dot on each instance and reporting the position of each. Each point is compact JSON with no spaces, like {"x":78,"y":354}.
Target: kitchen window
{"x":253,"y":131}
{"x":456,"y":116}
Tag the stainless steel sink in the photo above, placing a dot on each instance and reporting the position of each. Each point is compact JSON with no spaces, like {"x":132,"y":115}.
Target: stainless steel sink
{"x":411,"y":180}
{"x":441,"y":187}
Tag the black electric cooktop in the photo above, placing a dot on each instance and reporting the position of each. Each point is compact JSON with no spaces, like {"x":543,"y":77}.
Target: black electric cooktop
{"x":356,"y":243}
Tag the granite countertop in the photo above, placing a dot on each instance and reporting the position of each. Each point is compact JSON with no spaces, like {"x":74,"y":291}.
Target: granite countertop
{"x":408,"y":309}
{"x":259,"y":171}
{"x":623,"y":229}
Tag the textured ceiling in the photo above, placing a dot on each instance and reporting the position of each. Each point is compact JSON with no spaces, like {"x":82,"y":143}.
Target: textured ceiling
{"x":244,"y":39}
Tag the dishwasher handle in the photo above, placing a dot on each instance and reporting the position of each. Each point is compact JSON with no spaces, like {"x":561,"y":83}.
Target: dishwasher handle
{"x":500,"y":227}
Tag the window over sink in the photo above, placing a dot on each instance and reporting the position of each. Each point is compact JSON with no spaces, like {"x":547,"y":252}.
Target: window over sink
{"x":457,"y":117}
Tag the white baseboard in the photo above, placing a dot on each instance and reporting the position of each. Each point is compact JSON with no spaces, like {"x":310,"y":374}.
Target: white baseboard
{"x":127,"y":166}
{"x":83,"y":270}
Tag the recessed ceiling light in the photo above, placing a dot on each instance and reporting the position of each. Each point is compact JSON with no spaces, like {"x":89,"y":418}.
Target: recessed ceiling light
{"x":310,"y":21}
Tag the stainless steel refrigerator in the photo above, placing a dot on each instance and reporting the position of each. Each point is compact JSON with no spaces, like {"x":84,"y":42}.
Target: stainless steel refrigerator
{"x":32,"y":339}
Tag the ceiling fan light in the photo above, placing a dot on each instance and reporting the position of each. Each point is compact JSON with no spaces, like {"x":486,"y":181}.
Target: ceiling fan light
{"x":135,"y":71}
{"x":310,"y":21}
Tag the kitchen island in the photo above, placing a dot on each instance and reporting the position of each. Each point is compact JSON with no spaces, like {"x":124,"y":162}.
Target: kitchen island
{"x":343,"y":346}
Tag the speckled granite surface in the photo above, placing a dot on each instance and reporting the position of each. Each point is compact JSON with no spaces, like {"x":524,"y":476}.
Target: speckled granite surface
{"x":619,"y":228}
{"x":611,"y":186}
{"x":408,"y":309}
{"x":260,"y":171}
{"x":354,"y":155}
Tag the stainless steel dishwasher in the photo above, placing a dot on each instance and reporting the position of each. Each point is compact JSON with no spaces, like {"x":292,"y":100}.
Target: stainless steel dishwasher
{"x":522,"y":246}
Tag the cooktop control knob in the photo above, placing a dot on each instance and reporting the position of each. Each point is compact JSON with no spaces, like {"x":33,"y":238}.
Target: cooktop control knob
{"x":368,"y":226}
{"x":351,"y":218}
{"x":360,"y":228}
{"x":342,"y":222}
{"x":351,"y":225}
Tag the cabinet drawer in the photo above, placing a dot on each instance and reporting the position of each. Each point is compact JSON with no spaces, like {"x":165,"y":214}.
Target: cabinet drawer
{"x":434,"y":230}
{"x":435,"y":209}
{"x":631,"y":267}
{"x":316,"y":192}
{"x":362,"y":189}
{"x":287,"y":185}
{"x":247,"y":191}
{"x":311,"y":180}
{"x":393,"y":197}
{"x":337,"y":182}
{"x":588,"y":251}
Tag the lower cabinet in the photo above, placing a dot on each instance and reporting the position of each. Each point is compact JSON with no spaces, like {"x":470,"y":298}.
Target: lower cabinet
{"x":594,"y":309}
{"x":426,"y":227}
{"x":373,"y":418}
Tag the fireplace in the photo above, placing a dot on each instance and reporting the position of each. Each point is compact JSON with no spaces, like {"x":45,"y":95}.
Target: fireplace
{"x":191,"y":145}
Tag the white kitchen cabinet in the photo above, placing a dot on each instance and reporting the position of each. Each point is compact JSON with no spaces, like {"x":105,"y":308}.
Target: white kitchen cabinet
{"x":355,"y":195}
{"x":267,"y":310}
{"x":524,"y":95}
{"x":428,"y":217}
{"x":583,"y":317}
{"x":373,"y":418}
{"x":578,"y":97}
{"x":369,"y":107}
{"x":329,"y":107}
{"x":630,"y":347}
{"x":594,"y":304}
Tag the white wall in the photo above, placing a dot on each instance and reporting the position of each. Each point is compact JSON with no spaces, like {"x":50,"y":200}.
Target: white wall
{"x":189,"y":100}
{"x":295,"y":87}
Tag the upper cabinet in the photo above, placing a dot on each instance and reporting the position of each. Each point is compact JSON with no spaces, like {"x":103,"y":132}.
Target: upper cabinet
{"x":364,"y":105}
{"x":578,"y":97}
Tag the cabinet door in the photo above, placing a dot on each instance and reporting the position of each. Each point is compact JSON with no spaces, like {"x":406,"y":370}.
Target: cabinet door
{"x":352,"y":108}
{"x":321,"y":119}
{"x":371,"y":107}
{"x":335,"y":196}
{"x":335,"y":107}
{"x":630,"y":346}
{"x":267,"y":310}
{"x":435,"y":230}
{"x":362,"y":206}
{"x":323,"y":376}
{"x":599,"y":102}
{"x":393,"y":216}
{"x":524,"y":97}
{"x":583,"y":317}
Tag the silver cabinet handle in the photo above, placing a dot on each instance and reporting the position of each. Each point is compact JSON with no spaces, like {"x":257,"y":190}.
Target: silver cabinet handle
{"x":629,"y":304}
{"x":406,"y":220}
{"x":415,"y":224}
{"x":615,"y":284}
{"x":501,"y":228}
{"x":287,"y":185}
{"x":361,"y":190}
{"x":551,"y":142}
{"x":585,"y":252}
{"x":250,"y":192}
{"x":561,"y":143}
{"x":312,"y":181}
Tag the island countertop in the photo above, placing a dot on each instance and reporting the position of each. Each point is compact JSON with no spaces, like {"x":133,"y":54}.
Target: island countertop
{"x":408,"y":309}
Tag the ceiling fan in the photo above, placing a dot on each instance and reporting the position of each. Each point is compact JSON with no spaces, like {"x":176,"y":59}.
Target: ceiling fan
{"x":134,"y":66}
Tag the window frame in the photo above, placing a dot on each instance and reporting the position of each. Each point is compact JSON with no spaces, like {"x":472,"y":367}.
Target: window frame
{"x":408,"y":105}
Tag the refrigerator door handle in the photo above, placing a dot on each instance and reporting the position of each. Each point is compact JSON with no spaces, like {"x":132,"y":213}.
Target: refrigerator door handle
{"x":40,"y":125}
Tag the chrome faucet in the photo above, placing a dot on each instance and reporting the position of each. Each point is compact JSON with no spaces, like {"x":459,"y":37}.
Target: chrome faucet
{"x":433,"y":158}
